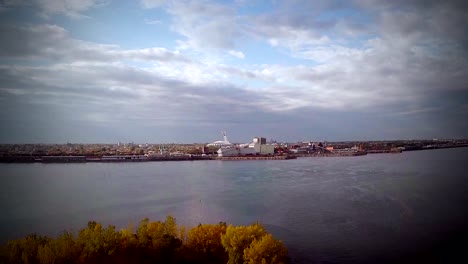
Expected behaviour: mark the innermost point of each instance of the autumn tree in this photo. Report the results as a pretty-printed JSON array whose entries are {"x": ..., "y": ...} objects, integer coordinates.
[
  {"x": 25, "y": 250},
  {"x": 205, "y": 241},
  {"x": 159, "y": 239},
  {"x": 153, "y": 242},
  {"x": 97, "y": 243},
  {"x": 236, "y": 239},
  {"x": 63, "y": 249},
  {"x": 266, "y": 250}
]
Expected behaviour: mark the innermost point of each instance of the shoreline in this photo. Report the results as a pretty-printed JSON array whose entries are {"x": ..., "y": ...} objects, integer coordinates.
[{"x": 139, "y": 158}]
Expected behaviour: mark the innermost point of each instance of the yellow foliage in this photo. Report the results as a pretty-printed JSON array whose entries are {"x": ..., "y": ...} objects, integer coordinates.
[
  {"x": 239, "y": 238},
  {"x": 96, "y": 241},
  {"x": 266, "y": 250},
  {"x": 46, "y": 255},
  {"x": 155, "y": 242},
  {"x": 206, "y": 238},
  {"x": 153, "y": 233},
  {"x": 60, "y": 250},
  {"x": 170, "y": 226},
  {"x": 127, "y": 238},
  {"x": 25, "y": 250},
  {"x": 183, "y": 234}
]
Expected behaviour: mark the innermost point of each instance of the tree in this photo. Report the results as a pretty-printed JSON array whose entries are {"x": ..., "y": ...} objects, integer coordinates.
[
  {"x": 239, "y": 238},
  {"x": 46, "y": 255},
  {"x": 204, "y": 241},
  {"x": 267, "y": 250},
  {"x": 158, "y": 240},
  {"x": 128, "y": 239},
  {"x": 61, "y": 250},
  {"x": 25, "y": 250},
  {"x": 97, "y": 242},
  {"x": 153, "y": 242}
]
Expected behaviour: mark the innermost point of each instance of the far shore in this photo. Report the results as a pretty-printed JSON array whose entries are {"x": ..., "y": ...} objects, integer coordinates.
[{"x": 190, "y": 157}]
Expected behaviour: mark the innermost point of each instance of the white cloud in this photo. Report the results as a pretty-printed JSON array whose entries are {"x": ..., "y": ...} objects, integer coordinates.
[
  {"x": 237, "y": 54},
  {"x": 152, "y": 3},
  {"x": 152, "y": 22},
  {"x": 380, "y": 73},
  {"x": 417, "y": 111},
  {"x": 327, "y": 53},
  {"x": 206, "y": 25}
]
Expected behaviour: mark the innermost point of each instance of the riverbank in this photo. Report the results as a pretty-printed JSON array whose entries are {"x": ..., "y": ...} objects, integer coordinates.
[{"x": 143, "y": 158}]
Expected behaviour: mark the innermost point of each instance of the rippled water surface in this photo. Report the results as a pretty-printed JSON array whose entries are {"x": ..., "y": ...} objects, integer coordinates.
[{"x": 333, "y": 210}]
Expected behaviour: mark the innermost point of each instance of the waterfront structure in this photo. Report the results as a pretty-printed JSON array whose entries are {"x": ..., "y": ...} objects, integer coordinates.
[
  {"x": 161, "y": 153},
  {"x": 124, "y": 158},
  {"x": 63, "y": 159},
  {"x": 221, "y": 143},
  {"x": 258, "y": 146}
]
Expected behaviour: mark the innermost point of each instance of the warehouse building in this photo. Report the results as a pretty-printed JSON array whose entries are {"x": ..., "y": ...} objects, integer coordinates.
[{"x": 258, "y": 146}]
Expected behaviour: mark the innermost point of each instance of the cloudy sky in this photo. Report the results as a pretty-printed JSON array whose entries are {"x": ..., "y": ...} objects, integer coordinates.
[{"x": 91, "y": 71}]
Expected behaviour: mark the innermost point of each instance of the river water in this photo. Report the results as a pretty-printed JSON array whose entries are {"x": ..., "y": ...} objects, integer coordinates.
[{"x": 326, "y": 210}]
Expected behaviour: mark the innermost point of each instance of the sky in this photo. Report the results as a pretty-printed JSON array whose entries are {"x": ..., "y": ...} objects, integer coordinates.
[{"x": 156, "y": 71}]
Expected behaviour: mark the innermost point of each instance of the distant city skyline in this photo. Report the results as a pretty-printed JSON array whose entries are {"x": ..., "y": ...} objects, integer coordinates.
[{"x": 157, "y": 71}]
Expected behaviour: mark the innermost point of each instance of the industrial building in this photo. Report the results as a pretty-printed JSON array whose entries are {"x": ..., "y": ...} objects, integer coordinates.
[{"x": 258, "y": 146}]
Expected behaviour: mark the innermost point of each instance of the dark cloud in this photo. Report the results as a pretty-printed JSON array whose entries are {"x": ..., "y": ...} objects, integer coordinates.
[
  {"x": 439, "y": 21},
  {"x": 121, "y": 93},
  {"x": 53, "y": 42}
]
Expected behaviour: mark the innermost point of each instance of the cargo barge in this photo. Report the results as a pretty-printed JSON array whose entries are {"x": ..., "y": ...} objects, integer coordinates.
[
  {"x": 117, "y": 159},
  {"x": 333, "y": 154},
  {"x": 83, "y": 159},
  {"x": 285, "y": 157}
]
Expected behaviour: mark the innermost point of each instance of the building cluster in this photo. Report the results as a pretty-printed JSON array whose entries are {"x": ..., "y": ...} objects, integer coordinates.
[
  {"x": 71, "y": 149},
  {"x": 223, "y": 148},
  {"x": 258, "y": 146}
]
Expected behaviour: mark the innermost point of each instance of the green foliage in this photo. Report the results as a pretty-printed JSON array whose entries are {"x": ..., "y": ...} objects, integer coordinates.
[{"x": 153, "y": 242}]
